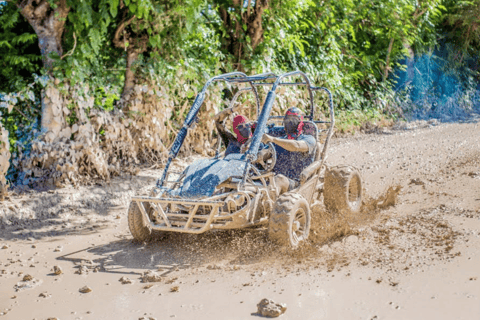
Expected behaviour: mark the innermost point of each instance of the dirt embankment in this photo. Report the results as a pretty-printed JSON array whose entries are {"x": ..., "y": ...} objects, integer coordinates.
[{"x": 416, "y": 260}]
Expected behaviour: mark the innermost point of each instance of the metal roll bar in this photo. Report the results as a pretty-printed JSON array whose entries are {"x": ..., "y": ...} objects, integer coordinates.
[{"x": 263, "y": 114}]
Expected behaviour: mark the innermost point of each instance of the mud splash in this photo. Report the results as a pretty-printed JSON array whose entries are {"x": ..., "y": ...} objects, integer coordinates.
[{"x": 328, "y": 228}]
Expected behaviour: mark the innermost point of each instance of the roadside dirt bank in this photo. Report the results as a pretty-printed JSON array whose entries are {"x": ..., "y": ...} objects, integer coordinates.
[{"x": 417, "y": 260}]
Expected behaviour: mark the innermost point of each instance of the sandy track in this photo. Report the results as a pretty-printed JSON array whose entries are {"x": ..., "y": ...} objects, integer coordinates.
[{"x": 418, "y": 260}]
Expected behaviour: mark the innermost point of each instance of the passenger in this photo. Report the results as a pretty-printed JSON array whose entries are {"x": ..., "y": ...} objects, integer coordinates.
[
  {"x": 295, "y": 151},
  {"x": 242, "y": 128}
]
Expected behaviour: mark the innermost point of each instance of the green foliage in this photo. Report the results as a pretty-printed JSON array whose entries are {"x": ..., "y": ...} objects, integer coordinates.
[
  {"x": 105, "y": 98},
  {"x": 20, "y": 112},
  {"x": 19, "y": 53},
  {"x": 341, "y": 44},
  {"x": 463, "y": 26}
]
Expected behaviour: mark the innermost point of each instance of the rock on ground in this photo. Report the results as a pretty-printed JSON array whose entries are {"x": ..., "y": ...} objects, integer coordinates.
[{"x": 271, "y": 309}]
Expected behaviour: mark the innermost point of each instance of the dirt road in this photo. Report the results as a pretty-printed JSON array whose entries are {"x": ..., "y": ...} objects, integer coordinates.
[{"x": 417, "y": 260}]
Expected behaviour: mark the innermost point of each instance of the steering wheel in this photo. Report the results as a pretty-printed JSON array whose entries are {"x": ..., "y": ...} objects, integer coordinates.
[{"x": 270, "y": 155}]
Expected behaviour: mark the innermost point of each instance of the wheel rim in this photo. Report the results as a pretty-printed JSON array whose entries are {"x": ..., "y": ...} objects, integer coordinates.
[
  {"x": 354, "y": 190},
  {"x": 299, "y": 226}
]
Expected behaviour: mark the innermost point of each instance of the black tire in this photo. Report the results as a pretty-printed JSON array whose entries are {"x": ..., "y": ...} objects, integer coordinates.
[
  {"x": 138, "y": 224},
  {"x": 290, "y": 212},
  {"x": 343, "y": 190}
]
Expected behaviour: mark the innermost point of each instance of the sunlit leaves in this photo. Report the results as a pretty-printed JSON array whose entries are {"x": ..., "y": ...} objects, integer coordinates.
[{"x": 19, "y": 52}]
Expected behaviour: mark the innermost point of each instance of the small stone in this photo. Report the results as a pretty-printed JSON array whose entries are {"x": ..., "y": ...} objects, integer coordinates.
[
  {"x": 174, "y": 289},
  {"x": 34, "y": 246},
  {"x": 4, "y": 246},
  {"x": 27, "y": 277},
  {"x": 213, "y": 267},
  {"x": 125, "y": 280},
  {"x": 58, "y": 249},
  {"x": 85, "y": 289},
  {"x": 417, "y": 182},
  {"x": 270, "y": 309},
  {"x": 151, "y": 276},
  {"x": 82, "y": 270},
  {"x": 44, "y": 295},
  {"x": 57, "y": 270}
]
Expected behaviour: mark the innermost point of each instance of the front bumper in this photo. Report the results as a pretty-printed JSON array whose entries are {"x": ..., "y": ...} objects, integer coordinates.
[{"x": 196, "y": 216}]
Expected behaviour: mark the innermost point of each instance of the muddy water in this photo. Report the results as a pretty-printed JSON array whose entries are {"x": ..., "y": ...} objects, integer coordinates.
[{"x": 416, "y": 260}]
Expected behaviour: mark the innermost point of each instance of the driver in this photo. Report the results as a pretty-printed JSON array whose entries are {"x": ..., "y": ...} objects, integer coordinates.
[
  {"x": 295, "y": 151},
  {"x": 242, "y": 128}
]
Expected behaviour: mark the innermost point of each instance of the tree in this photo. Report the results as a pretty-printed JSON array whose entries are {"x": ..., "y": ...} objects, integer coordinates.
[{"x": 151, "y": 26}]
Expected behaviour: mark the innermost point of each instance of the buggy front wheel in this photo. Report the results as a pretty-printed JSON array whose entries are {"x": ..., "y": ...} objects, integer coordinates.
[
  {"x": 138, "y": 224},
  {"x": 289, "y": 223}
]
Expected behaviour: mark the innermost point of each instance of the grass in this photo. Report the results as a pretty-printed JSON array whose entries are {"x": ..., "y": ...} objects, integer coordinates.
[{"x": 352, "y": 121}]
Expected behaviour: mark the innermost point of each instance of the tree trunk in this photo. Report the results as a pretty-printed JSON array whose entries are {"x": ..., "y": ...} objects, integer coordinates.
[
  {"x": 410, "y": 60},
  {"x": 387, "y": 63},
  {"x": 48, "y": 24},
  {"x": 254, "y": 23},
  {"x": 251, "y": 18},
  {"x": 132, "y": 56},
  {"x": 137, "y": 44}
]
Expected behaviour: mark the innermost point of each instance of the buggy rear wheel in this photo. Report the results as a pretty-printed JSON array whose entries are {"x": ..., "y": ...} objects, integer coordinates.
[
  {"x": 137, "y": 223},
  {"x": 343, "y": 190},
  {"x": 289, "y": 223}
]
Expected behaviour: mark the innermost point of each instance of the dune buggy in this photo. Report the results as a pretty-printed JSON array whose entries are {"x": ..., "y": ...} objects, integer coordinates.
[{"x": 236, "y": 191}]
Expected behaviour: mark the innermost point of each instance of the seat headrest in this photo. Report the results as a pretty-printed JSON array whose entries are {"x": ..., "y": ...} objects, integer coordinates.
[{"x": 310, "y": 128}]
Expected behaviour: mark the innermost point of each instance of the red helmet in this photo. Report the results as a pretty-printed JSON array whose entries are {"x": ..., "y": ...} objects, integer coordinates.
[{"x": 293, "y": 122}]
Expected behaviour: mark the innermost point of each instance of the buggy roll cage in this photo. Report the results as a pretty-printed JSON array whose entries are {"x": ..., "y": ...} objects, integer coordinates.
[{"x": 263, "y": 114}]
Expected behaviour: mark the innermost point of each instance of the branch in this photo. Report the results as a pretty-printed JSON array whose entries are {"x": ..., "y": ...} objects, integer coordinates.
[
  {"x": 419, "y": 14},
  {"x": 353, "y": 57},
  {"x": 69, "y": 53},
  {"x": 248, "y": 7},
  {"x": 26, "y": 9},
  {"x": 121, "y": 27},
  {"x": 23, "y": 114},
  {"x": 203, "y": 14}
]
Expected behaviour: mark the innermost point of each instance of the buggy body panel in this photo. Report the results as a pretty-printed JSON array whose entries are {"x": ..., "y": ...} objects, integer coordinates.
[{"x": 203, "y": 176}]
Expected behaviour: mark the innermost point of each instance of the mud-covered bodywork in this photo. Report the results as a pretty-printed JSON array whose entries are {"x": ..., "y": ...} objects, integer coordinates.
[
  {"x": 230, "y": 193},
  {"x": 203, "y": 176}
]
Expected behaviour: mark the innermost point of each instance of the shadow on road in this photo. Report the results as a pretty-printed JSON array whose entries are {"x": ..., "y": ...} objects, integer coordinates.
[{"x": 183, "y": 251}]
